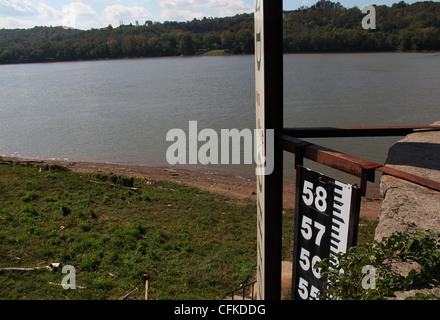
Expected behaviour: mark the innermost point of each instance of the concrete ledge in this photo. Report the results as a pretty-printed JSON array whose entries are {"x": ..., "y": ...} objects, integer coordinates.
[{"x": 408, "y": 207}]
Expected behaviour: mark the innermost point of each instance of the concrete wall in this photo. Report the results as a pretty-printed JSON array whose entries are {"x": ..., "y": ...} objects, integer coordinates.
[{"x": 408, "y": 207}]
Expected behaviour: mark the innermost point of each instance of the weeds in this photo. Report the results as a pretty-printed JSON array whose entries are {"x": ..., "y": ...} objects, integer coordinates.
[
  {"x": 193, "y": 244},
  {"x": 418, "y": 248},
  {"x": 113, "y": 230}
]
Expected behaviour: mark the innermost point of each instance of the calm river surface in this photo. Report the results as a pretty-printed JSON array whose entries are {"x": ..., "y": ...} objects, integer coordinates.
[{"x": 120, "y": 111}]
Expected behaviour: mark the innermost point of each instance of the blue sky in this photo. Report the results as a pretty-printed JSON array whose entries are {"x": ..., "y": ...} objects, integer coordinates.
[{"x": 100, "y": 13}]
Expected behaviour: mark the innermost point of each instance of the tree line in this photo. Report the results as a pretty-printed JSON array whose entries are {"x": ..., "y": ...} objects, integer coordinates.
[
  {"x": 152, "y": 39},
  {"x": 324, "y": 27},
  {"x": 329, "y": 27}
]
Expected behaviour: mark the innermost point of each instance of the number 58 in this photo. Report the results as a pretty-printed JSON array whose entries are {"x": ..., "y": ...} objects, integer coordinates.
[{"x": 309, "y": 198}]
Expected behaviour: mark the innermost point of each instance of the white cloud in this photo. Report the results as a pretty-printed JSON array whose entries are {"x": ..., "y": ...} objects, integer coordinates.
[
  {"x": 45, "y": 12},
  {"x": 17, "y": 7},
  {"x": 100, "y": 13},
  {"x": 11, "y": 22},
  {"x": 213, "y": 4},
  {"x": 231, "y": 7},
  {"x": 80, "y": 8},
  {"x": 24, "y": 14},
  {"x": 184, "y": 3},
  {"x": 189, "y": 9},
  {"x": 180, "y": 15},
  {"x": 76, "y": 15},
  {"x": 114, "y": 13}
]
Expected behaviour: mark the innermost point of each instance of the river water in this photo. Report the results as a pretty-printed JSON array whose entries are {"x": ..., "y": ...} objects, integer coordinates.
[{"x": 120, "y": 111}]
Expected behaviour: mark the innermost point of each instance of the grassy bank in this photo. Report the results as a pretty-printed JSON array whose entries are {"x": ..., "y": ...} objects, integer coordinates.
[
  {"x": 216, "y": 53},
  {"x": 193, "y": 244}
]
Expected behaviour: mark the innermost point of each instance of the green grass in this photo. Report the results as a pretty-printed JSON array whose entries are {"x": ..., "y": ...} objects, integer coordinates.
[
  {"x": 193, "y": 244},
  {"x": 216, "y": 53}
]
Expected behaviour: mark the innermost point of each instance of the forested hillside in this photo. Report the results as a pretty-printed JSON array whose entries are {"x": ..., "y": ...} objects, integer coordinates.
[
  {"x": 324, "y": 27},
  {"x": 328, "y": 26}
]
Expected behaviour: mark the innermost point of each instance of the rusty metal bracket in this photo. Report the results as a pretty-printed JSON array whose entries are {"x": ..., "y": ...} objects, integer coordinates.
[
  {"x": 338, "y": 160},
  {"x": 364, "y": 169},
  {"x": 339, "y": 132},
  {"x": 430, "y": 184},
  {"x": 367, "y": 172}
]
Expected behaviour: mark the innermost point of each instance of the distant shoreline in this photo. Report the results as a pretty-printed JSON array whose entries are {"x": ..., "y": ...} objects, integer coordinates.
[
  {"x": 207, "y": 54},
  {"x": 225, "y": 54},
  {"x": 324, "y": 27}
]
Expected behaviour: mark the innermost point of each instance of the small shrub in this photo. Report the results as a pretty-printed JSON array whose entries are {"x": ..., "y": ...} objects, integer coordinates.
[
  {"x": 136, "y": 229},
  {"x": 101, "y": 177},
  {"x": 104, "y": 283},
  {"x": 106, "y": 199},
  {"x": 45, "y": 251},
  {"x": 87, "y": 201},
  {"x": 420, "y": 247},
  {"x": 114, "y": 179},
  {"x": 91, "y": 262},
  {"x": 92, "y": 214},
  {"x": 144, "y": 197},
  {"x": 7, "y": 216},
  {"x": 126, "y": 182},
  {"x": 50, "y": 199},
  {"x": 29, "y": 211},
  {"x": 30, "y": 196},
  {"x": 160, "y": 238},
  {"x": 65, "y": 210},
  {"x": 84, "y": 226},
  {"x": 57, "y": 168}
]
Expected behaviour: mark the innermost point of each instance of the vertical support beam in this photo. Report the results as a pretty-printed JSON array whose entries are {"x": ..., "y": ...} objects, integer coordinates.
[{"x": 269, "y": 116}]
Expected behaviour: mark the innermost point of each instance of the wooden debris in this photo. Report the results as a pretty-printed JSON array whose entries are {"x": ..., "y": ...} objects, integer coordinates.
[
  {"x": 19, "y": 269},
  {"x": 126, "y": 295}
]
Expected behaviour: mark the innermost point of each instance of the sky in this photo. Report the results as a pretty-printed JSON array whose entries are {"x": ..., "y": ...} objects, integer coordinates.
[{"x": 89, "y": 14}]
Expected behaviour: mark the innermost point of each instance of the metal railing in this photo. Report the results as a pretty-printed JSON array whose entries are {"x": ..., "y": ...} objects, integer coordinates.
[
  {"x": 361, "y": 168},
  {"x": 249, "y": 287}
]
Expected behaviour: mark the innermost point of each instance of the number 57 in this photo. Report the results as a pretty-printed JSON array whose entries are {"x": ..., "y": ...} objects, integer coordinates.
[{"x": 307, "y": 232}]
